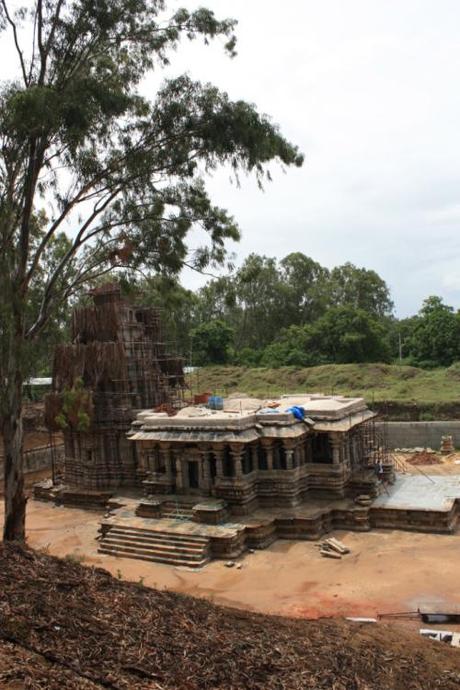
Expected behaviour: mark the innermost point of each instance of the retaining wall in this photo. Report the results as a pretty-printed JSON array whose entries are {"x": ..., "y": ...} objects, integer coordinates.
[
  {"x": 421, "y": 434},
  {"x": 38, "y": 459}
]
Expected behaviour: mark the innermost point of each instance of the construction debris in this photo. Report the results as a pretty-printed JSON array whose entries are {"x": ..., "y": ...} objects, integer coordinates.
[
  {"x": 333, "y": 548},
  {"x": 424, "y": 458},
  {"x": 328, "y": 553},
  {"x": 446, "y": 636},
  {"x": 417, "y": 449},
  {"x": 447, "y": 445}
]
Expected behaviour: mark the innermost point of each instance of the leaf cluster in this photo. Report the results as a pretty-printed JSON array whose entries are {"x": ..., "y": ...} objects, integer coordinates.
[
  {"x": 98, "y": 177},
  {"x": 76, "y": 411}
]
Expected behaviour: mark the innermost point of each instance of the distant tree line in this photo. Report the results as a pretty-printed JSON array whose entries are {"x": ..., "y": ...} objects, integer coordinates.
[
  {"x": 291, "y": 312},
  {"x": 296, "y": 312}
]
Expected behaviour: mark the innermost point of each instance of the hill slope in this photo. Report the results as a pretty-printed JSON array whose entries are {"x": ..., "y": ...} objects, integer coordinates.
[
  {"x": 65, "y": 626},
  {"x": 405, "y": 392}
]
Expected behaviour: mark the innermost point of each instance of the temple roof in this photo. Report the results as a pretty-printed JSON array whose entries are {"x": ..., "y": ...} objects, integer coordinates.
[{"x": 244, "y": 419}]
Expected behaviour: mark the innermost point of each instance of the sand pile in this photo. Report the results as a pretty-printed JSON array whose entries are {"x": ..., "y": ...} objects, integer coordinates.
[{"x": 423, "y": 458}]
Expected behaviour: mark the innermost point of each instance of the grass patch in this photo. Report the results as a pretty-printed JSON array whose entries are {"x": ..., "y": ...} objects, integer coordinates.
[{"x": 434, "y": 393}]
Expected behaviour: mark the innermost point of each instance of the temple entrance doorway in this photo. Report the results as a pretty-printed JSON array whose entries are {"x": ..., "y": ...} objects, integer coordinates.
[{"x": 193, "y": 479}]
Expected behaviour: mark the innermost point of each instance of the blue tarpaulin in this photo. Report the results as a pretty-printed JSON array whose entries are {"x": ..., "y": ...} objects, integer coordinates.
[{"x": 297, "y": 411}]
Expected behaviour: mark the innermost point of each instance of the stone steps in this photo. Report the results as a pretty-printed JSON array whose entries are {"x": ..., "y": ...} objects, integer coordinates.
[
  {"x": 153, "y": 558},
  {"x": 107, "y": 527},
  {"x": 161, "y": 542},
  {"x": 159, "y": 547},
  {"x": 155, "y": 555},
  {"x": 177, "y": 514}
]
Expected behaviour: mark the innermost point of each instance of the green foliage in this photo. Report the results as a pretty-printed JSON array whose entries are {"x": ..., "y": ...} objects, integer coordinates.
[
  {"x": 61, "y": 421},
  {"x": 212, "y": 343},
  {"x": 178, "y": 307},
  {"x": 360, "y": 288},
  {"x": 122, "y": 173},
  {"x": 435, "y": 337},
  {"x": 376, "y": 382},
  {"x": 426, "y": 417},
  {"x": 306, "y": 288},
  {"x": 76, "y": 408},
  {"x": 125, "y": 172},
  {"x": 295, "y": 346},
  {"x": 265, "y": 296},
  {"x": 349, "y": 334},
  {"x": 342, "y": 334},
  {"x": 248, "y": 357}
]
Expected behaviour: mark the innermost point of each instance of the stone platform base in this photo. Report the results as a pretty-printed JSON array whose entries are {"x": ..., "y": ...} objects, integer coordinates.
[
  {"x": 408, "y": 505},
  {"x": 417, "y": 503},
  {"x": 61, "y": 494},
  {"x": 204, "y": 510}
]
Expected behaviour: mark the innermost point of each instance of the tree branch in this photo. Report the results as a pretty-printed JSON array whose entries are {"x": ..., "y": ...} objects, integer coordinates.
[
  {"x": 79, "y": 240},
  {"x": 16, "y": 41}
]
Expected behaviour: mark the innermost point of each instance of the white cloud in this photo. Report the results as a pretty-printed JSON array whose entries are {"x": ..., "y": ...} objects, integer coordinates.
[{"x": 369, "y": 91}]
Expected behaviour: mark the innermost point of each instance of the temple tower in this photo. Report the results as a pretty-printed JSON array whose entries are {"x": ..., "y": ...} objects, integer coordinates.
[{"x": 116, "y": 364}]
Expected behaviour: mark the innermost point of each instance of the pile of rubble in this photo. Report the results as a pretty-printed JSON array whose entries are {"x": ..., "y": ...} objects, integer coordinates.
[
  {"x": 417, "y": 449},
  {"x": 424, "y": 458},
  {"x": 333, "y": 548}
]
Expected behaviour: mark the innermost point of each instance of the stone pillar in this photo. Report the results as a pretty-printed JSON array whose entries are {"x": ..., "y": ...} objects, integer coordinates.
[
  {"x": 179, "y": 473},
  {"x": 218, "y": 450},
  {"x": 237, "y": 451},
  {"x": 205, "y": 476},
  {"x": 302, "y": 452},
  {"x": 267, "y": 443},
  {"x": 289, "y": 452},
  {"x": 255, "y": 457},
  {"x": 296, "y": 456},
  {"x": 143, "y": 465},
  {"x": 165, "y": 453},
  {"x": 336, "y": 443},
  {"x": 154, "y": 460}
]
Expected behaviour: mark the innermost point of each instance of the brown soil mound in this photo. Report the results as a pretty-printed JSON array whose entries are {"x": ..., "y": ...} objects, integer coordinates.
[
  {"x": 66, "y": 626},
  {"x": 424, "y": 459}
]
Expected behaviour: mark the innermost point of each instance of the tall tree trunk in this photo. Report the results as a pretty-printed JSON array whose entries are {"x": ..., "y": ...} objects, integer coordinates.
[{"x": 13, "y": 440}]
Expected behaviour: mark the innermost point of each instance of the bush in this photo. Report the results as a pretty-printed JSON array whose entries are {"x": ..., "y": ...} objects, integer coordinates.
[{"x": 212, "y": 343}]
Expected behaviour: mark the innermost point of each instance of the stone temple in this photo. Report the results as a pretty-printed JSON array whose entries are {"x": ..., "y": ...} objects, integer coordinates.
[
  {"x": 256, "y": 453},
  {"x": 180, "y": 483}
]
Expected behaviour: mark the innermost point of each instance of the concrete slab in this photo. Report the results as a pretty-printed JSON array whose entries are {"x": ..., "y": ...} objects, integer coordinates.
[
  {"x": 242, "y": 413},
  {"x": 417, "y": 492}
]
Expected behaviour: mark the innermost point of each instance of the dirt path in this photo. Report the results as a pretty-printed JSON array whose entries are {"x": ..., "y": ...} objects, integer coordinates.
[{"x": 386, "y": 571}]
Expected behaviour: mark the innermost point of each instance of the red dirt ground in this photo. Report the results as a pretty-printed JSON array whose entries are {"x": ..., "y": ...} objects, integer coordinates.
[{"x": 386, "y": 571}]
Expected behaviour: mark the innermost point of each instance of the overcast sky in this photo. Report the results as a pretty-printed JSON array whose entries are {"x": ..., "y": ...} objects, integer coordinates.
[{"x": 370, "y": 91}]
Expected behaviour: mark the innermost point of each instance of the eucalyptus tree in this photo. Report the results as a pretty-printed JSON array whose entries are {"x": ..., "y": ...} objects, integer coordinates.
[
  {"x": 120, "y": 173},
  {"x": 360, "y": 288}
]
